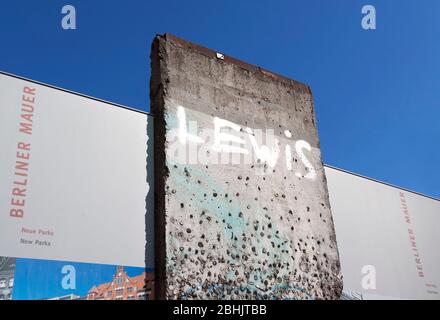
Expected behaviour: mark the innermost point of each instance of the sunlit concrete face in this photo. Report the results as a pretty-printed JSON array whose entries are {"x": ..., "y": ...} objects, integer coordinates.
[{"x": 242, "y": 207}]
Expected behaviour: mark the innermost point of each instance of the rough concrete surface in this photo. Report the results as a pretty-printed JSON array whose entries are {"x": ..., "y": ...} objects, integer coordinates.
[{"x": 244, "y": 213}]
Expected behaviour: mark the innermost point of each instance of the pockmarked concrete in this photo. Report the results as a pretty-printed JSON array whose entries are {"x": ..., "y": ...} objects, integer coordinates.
[{"x": 241, "y": 201}]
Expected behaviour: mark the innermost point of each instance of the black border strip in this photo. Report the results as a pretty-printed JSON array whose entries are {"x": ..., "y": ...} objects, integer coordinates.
[
  {"x": 148, "y": 114},
  {"x": 73, "y": 92}
]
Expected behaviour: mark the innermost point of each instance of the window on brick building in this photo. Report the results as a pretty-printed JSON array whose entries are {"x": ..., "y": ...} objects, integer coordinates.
[{"x": 119, "y": 292}]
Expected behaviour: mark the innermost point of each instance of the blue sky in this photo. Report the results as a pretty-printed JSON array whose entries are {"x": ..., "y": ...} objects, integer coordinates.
[{"x": 377, "y": 93}]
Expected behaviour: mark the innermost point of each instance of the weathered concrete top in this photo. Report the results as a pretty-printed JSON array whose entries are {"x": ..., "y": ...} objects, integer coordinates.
[
  {"x": 242, "y": 208},
  {"x": 214, "y": 54}
]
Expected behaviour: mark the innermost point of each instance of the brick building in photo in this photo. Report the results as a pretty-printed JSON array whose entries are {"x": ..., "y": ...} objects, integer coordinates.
[{"x": 123, "y": 287}]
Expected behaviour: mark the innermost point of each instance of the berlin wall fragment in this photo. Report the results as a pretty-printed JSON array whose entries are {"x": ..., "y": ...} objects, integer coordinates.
[{"x": 241, "y": 202}]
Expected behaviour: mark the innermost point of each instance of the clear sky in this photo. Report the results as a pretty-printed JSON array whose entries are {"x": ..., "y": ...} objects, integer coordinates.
[{"x": 377, "y": 92}]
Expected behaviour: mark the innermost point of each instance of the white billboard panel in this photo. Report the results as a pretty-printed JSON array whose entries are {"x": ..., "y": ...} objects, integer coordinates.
[
  {"x": 387, "y": 238},
  {"x": 73, "y": 177}
]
